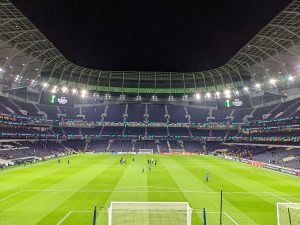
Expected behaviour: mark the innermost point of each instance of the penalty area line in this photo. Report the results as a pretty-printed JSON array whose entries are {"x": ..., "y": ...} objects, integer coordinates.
[
  {"x": 10, "y": 196},
  {"x": 229, "y": 217},
  {"x": 276, "y": 196},
  {"x": 69, "y": 213},
  {"x": 225, "y": 213}
]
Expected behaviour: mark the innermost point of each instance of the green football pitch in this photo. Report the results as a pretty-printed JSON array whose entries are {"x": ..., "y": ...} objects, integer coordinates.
[{"x": 48, "y": 193}]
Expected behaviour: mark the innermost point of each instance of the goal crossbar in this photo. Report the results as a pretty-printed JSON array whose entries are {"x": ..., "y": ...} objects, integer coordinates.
[{"x": 145, "y": 151}]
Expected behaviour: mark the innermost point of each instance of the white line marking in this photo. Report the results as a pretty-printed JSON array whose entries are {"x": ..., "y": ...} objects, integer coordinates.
[
  {"x": 2, "y": 199},
  {"x": 146, "y": 191},
  {"x": 231, "y": 218},
  {"x": 65, "y": 217},
  {"x": 279, "y": 197},
  {"x": 69, "y": 213},
  {"x": 225, "y": 213},
  {"x": 141, "y": 191}
]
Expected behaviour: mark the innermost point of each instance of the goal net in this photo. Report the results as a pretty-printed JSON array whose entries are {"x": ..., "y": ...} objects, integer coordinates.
[
  {"x": 145, "y": 151},
  {"x": 288, "y": 213},
  {"x": 149, "y": 213}
]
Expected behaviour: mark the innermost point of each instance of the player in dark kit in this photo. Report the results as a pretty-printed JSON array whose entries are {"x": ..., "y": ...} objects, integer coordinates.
[{"x": 206, "y": 177}]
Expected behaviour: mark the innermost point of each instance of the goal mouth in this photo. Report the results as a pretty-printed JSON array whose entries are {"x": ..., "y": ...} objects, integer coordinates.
[
  {"x": 139, "y": 213},
  {"x": 288, "y": 213},
  {"x": 145, "y": 151}
]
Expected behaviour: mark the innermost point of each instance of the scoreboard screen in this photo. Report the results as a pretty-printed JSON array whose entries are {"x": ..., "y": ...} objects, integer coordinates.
[
  {"x": 57, "y": 99},
  {"x": 234, "y": 103}
]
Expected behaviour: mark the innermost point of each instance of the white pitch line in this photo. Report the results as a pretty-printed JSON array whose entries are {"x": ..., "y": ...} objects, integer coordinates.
[
  {"x": 144, "y": 191},
  {"x": 279, "y": 197},
  {"x": 69, "y": 213},
  {"x": 225, "y": 213},
  {"x": 65, "y": 217},
  {"x": 231, "y": 218},
  {"x": 2, "y": 199}
]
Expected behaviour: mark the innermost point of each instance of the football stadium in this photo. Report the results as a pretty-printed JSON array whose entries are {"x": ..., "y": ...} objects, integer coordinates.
[{"x": 149, "y": 139}]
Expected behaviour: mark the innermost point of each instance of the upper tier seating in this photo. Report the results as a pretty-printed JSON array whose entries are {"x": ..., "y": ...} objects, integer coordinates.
[
  {"x": 220, "y": 115},
  {"x": 136, "y": 113},
  {"x": 179, "y": 131},
  {"x": 135, "y": 131},
  {"x": 198, "y": 115},
  {"x": 115, "y": 113},
  {"x": 156, "y": 113},
  {"x": 51, "y": 111},
  {"x": 239, "y": 114},
  {"x": 177, "y": 114},
  {"x": 93, "y": 113}
]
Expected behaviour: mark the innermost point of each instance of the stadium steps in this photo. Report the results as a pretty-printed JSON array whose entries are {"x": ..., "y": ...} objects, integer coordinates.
[
  {"x": 190, "y": 131},
  {"x": 169, "y": 147},
  {"x": 41, "y": 111},
  {"x": 108, "y": 146},
  {"x": 291, "y": 109},
  {"x": 101, "y": 131},
  {"x": 58, "y": 109},
  {"x": 168, "y": 132},
  {"x": 15, "y": 104},
  {"x": 232, "y": 112},
  {"x": 271, "y": 112},
  {"x": 37, "y": 109},
  {"x": 104, "y": 114},
  {"x": 86, "y": 146},
  {"x": 9, "y": 110}
]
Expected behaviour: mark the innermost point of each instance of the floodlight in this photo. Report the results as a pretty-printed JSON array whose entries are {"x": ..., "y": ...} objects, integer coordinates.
[
  {"x": 122, "y": 97},
  {"x": 208, "y": 95},
  {"x": 290, "y": 78},
  {"x": 272, "y": 81},
  {"x": 54, "y": 89},
  {"x": 227, "y": 94},
  {"x": 138, "y": 98},
  {"x": 83, "y": 93},
  {"x": 184, "y": 97},
  {"x": 257, "y": 86},
  {"x": 64, "y": 89},
  {"x": 198, "y": 96},
  {"x": 154, "y": 98}
]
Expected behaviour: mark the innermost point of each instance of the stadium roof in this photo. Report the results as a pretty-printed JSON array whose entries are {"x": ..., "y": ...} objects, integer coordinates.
[{"x": 27, "y": 54}]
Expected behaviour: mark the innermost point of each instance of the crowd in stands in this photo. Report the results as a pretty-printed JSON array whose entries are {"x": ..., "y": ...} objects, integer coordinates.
[
  {"x": 256, "y": 124},
  {"x": 134, "y": 112}
]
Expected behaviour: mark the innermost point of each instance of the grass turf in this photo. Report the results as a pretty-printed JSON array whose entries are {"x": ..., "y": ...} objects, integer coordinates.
[{"x": 49, "y": 193}]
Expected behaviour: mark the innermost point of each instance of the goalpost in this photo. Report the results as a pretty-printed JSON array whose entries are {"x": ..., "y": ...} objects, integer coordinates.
[
  {"x": 288, "y": 213},
  {"x": 145, "y": 151},
  {"x": 149, "y": 213}
]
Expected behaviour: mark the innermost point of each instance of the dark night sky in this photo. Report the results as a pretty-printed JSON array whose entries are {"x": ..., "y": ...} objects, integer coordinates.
[{"x": 156, "y": 35}]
